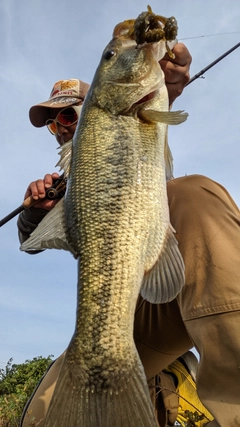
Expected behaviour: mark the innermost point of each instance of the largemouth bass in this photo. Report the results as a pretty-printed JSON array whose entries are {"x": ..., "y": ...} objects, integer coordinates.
[{"x": 114, "y": 218}]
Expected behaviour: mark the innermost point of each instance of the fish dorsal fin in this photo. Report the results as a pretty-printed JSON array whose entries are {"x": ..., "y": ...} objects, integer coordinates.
[
  {"x": 50, "y": 233},
  {"x": 65, "y": 152},
  {"x": 167, "y": 117},
  {"x": 166, "y": 278}
]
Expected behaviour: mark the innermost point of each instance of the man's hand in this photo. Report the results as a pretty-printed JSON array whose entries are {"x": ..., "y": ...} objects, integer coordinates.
[
  {"x": 37, "y": 189},
  {"x": 176, "y": 71}
]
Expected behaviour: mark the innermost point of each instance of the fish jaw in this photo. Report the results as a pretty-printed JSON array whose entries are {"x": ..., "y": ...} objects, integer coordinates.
[{"x": 126, "y": 74}]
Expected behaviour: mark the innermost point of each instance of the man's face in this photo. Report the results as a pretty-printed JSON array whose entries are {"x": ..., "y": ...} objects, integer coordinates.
[{"x": 63, "y": 132}]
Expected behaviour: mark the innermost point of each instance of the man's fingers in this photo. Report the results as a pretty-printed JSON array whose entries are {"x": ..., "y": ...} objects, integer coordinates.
[
  {"x": 49, "y": 178},
  {"x": 37, "y": 189}
]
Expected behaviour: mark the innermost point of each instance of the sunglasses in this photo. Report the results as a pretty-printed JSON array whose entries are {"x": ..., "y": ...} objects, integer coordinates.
[{"x": 66, "y": 117}]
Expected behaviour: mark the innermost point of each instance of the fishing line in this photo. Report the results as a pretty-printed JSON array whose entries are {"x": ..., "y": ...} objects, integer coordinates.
[{"x": 209, "y": 35}]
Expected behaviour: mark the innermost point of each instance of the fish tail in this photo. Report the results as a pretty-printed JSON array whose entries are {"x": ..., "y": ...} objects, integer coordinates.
[{"x": 76, "y": 405}]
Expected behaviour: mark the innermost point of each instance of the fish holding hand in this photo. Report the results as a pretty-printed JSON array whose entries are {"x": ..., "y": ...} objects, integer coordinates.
[{"x": 114, "y": 219}]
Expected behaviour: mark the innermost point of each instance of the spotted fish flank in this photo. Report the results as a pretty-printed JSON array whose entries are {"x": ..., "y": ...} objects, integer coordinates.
[{"x": 115, "y": 220}]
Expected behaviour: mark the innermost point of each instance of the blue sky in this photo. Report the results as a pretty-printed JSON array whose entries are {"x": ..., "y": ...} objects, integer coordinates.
[{"x": 45, "y": 43}]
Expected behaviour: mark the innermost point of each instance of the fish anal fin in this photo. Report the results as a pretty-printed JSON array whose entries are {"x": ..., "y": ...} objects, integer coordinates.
[
  {"x": 166, "y": 278},
  {"x": 74, "y": 404},
  {"x": 167, "y": 117}
]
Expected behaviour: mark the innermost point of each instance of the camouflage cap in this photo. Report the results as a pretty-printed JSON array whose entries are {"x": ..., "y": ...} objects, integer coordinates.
[{"x": 64, "y": 93}]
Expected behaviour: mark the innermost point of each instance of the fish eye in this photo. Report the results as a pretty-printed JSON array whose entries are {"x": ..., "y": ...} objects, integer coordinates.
[{"x": 109, "y": 54}]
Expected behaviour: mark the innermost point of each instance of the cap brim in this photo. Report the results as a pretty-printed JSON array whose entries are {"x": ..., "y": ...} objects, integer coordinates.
[{"x": 38, "y": 114}]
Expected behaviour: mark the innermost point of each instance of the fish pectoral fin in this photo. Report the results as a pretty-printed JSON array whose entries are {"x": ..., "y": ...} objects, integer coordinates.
[
  {"x": 168, "y": 160},
  {"x": 167, "y": 117},
  {"x": 50, "y": 233},
  {"x": 165, "y": 280}
]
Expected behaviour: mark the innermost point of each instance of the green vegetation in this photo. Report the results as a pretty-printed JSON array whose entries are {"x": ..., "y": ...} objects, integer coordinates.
[{"x": 17, "y": 382}]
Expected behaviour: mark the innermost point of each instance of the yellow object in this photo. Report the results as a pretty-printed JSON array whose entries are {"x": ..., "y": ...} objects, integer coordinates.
[{"x": 190, "y": 407}]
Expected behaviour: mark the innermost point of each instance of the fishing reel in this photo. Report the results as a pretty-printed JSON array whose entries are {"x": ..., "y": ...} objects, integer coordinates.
[{"x": 58, "y": 189}]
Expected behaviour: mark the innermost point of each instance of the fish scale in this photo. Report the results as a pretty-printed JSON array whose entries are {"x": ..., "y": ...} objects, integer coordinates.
[
  {"x": 115, "y": 220},
  {"x": 112, "y": 241}
]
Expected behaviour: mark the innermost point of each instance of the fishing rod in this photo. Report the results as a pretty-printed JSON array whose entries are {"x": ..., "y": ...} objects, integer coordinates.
[
  {"x": 212, "y": 64},
  {"x": 59, "y": 187},
  {"x": 57, "y": 191}
]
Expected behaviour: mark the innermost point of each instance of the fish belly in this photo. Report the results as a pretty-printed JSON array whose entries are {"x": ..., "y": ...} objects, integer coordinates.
[{"x": 114, "y": 213}]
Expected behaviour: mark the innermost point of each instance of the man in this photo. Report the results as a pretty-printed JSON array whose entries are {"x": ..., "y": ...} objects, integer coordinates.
[
  {"x": 71, "y": 93},
  {"x": 207, "y": 311}
]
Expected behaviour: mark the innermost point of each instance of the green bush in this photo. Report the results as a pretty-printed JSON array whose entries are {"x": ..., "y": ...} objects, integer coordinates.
[{"x": 17, "y": 383}]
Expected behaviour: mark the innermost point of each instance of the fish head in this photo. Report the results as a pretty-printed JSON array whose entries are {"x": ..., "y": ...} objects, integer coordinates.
[{"x": 127, "y": 74}]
